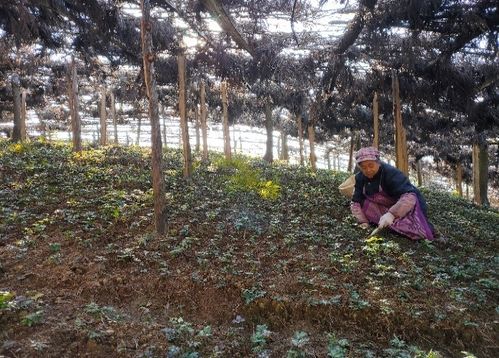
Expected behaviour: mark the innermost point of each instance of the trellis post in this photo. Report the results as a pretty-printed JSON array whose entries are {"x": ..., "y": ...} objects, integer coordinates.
[
  {"x": 183, "y": 116},
  {"x": 376, "y": 120},
  {"x": 204, "y": 127},
  {"x": 400, "y": 134},
  {"x": 226, "y": 132},
  {"x": 103, "y": 116}
]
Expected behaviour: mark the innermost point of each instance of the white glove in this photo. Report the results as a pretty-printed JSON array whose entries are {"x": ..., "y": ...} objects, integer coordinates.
[
  {"x": 364, "y": 226},
  {"x": 386, "y": 220}
]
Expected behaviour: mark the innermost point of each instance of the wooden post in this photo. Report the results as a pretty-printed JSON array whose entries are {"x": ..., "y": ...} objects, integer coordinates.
[
  {"x": 269, "y": 151},
  {"x": 376, "y": 120},
  {"x": 113, "y": 115},
  {"x": 103, "y": 116},
  {"x": 164, "y": 127},
  {"x": 234, "y": 140},
  {"x": 480, "y": 173},
  {"x": 311, "y": 140},
  {"x": 284, "y": 146},
  {"x": 279, "y": 147},
  {"x": 350, "y": 158},
  {"x": 400, "y": 135},
  {"x": 16, "y": 91},
  {"x": 459, "y": 179},
  {"x": 183, "y": 116},
  {"x": 300, "y": 136},
  {"x": 328, "y": 158},
  {"x": 139, "y": 117},
  {"x": 74, "y": 107},
  {"x": 204, "y": 126},
  {"x": 226, "y": 133},
  {"x": 197, "y": 126},
  {"x": 418, "y": 172},
  {"x": 240, "y": 142},
  {"x": 23, "y": 115},
  {"x": 152, "y": 94}
]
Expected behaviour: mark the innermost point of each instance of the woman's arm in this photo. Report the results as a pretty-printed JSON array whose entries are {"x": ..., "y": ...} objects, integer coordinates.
[
  {"x": 404, "y": 205},
  {"x": 356, "y": 210}
]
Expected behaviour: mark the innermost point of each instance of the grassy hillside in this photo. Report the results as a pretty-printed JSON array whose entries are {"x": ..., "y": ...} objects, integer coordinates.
[{"x": 258, "y": 261}]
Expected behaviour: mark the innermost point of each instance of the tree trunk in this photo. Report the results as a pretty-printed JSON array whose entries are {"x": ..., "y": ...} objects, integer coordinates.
[
  {"x": 204, "y": 125},
  {"x": 300, "y": 137},
  {"x": 376, "y": 120},
  {"x": 459, "y": 179},
  {"x": 480, "y": 173},
  {"x": 74, "y": 106},
  {"x": 311, "y": 141},
  {"x": 269, "y": 151},
  {"x": 156, "y": 146},
  {"x": 183, "y": 117},
  {"x": 225, "y": 105},
  {"x": 402, "y": 162},
  {"x": 16, "y": 90},
  {"x": 103, "y": 117},
  {"x": 113, "y": 115}
]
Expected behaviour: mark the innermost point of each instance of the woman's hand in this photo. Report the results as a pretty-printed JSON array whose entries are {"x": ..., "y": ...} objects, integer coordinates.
[
  {"x": 386, "y": 220},
  {"x": 364, "y": 226}
]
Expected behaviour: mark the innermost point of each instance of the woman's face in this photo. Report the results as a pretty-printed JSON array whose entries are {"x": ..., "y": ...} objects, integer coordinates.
[{"x": 369, "y": 168}]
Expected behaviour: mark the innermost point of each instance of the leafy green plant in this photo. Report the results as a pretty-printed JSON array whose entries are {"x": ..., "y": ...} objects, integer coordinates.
[
  {"x": 32, "y": 319},
  {"x": 186, "y": 340},
  {"x": 259, "y": 338},
  {"x": 400, "y": 349},
  {"x": 251, "y": 294},
  {"x": 104, "y": 312},
  {"x": 55, "y": 247},
  {"x": 337, "y": 348},
  {"x": 247, "y": 178},
  {"x": 299, "y": 340},
  {"x": 5, "y": 299},
  {"x": 269, "y": 190},
  {"x": 373, "y": 246}
]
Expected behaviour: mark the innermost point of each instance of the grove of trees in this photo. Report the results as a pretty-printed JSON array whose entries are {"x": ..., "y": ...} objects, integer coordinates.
[{"x": 333, "y": 66}]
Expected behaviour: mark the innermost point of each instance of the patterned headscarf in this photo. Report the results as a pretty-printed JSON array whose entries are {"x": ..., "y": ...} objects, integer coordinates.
[{"x": 368, "y": 153}]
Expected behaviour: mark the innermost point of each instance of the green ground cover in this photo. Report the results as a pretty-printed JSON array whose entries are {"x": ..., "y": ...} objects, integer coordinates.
[{"x": 258, "y": 260}]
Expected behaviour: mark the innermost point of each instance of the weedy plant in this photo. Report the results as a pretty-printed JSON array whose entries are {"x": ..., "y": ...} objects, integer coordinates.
[
  {"x": 299, "y": 340},
  {"x": 32, "y": 319},
  {"x": 5, "y": 299},
  {"x": 246, "y": 178},
  {"x": 253, "y": 293},
  {"x": 400, "y": 349},
  {"x": 259, "y": 338},
  {"x": 337, "y": 348},
  {"x": 184, "y": 340}
]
